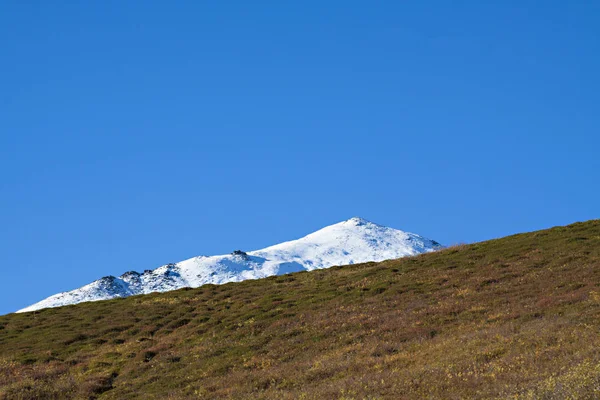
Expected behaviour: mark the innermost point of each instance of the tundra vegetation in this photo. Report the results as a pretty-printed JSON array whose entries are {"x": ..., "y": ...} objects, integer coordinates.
[{"x": 512, "y": 318}]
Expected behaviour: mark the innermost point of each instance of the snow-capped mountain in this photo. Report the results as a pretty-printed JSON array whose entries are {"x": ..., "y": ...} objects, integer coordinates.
[{"x": 353, "y": 241}]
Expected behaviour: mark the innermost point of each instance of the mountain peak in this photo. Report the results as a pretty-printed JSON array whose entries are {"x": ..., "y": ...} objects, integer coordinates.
[
  {"x": 355, "y": 240},
  {"x": 353, "y": 222},
  {"x": 358, "y": 221}
]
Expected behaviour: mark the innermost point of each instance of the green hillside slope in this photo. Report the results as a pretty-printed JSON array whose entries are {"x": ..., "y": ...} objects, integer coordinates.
[{"x": 517, "y": 317}]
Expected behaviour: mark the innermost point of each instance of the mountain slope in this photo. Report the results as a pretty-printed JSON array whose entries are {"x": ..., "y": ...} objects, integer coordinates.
[
  {"x": 514, "y": 318},
  {"x": 353, "y": 241}
]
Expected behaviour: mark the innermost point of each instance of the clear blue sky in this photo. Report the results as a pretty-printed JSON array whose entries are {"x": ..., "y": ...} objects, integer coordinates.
[{"x": 133, "y": 134}]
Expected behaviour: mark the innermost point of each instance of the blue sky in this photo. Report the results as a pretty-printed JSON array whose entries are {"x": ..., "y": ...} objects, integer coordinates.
[{"x": 133, "y": 134}]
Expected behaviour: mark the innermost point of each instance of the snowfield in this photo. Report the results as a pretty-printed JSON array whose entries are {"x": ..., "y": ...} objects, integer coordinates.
[{"x": 349, "y": 242}]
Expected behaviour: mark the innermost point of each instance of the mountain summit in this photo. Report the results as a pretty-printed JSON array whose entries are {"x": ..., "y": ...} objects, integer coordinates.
[{"x": 349, "y": 242}]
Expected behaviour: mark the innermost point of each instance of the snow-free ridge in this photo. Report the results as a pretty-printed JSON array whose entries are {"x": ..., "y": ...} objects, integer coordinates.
[{"x": 352, "y": 241}]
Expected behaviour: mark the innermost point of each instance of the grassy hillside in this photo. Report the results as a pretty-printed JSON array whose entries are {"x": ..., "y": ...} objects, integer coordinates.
[{"x": 517, "y": 317}]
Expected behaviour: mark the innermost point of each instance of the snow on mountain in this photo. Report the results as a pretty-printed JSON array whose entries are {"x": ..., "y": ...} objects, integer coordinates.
[{"x": 353, "y": 241}]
